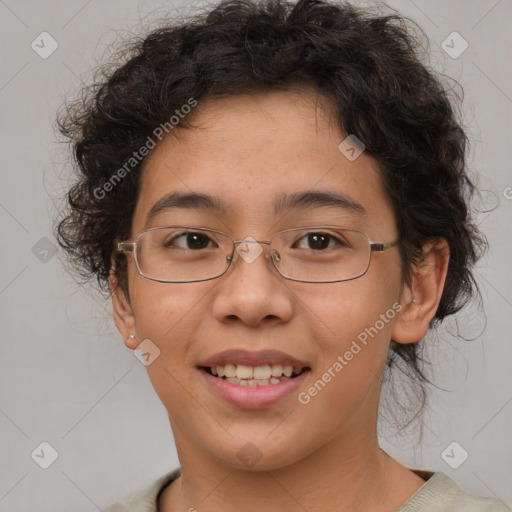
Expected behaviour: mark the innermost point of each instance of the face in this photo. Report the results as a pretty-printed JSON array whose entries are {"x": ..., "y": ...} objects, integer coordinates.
[{"x": 248, "y": 151}]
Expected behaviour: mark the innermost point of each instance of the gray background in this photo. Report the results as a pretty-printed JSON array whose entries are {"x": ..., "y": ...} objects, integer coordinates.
[{"x": 66, "y": 377}]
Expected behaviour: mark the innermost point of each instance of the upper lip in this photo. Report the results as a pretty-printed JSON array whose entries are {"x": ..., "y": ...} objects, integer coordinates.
[{"x": 257, "y": 358}]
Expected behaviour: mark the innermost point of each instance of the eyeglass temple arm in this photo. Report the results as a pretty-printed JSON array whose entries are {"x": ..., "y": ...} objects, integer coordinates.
[
  {"x": 383, "y": 247},
  {"x": 125, "y": 246}
]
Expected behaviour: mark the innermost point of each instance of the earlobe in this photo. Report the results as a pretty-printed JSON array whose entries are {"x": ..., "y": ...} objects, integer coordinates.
[
  {"x": 421, "y": 298},
  {"x": 123, "y": 313}
]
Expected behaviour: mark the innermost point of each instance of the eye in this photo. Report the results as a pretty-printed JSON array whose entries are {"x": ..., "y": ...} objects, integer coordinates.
[
  {"x": 319, "y": 241},
  {"x": 189, "y": 240}
]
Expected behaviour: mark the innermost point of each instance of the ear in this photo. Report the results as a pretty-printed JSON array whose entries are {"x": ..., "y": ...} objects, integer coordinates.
[
  {"x": 123, "y": 314},
  {"x": 421, "y": 298}
]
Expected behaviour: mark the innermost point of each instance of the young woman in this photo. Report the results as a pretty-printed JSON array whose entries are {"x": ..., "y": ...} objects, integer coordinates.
[{"x": 275, "y": 195}]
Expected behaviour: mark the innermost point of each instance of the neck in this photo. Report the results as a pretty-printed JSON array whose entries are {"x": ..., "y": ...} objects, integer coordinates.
[{"x": 351, "y": 471}]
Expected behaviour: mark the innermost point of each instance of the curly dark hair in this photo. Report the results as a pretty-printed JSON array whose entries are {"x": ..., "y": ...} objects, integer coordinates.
[{"x": 368, "y": 65}]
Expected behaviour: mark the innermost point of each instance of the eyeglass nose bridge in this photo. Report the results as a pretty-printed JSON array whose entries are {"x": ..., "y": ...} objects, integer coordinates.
[{"x": 274, "y": 255}]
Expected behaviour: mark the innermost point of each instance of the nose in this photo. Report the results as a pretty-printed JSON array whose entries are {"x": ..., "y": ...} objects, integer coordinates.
[{"x": 252, "y": 291}]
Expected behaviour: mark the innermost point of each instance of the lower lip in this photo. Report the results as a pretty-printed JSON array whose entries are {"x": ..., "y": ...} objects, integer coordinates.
[{"x": 252, "y": 397}]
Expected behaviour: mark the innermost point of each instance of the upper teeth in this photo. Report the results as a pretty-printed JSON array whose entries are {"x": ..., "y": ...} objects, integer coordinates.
[{"x": 242, "y": 371}]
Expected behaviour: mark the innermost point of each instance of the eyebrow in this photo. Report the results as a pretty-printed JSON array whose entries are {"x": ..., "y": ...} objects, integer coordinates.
[
  {"x": 317, "y": 199},
  {"x": 186, "y": 200},
  {"x": 284, "y": 203}
]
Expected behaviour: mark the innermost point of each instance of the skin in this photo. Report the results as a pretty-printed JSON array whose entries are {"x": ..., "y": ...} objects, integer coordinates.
[{"x": 312, "y": 455}]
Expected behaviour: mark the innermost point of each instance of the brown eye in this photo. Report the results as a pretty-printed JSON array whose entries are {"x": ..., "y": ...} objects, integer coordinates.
[
  {"x": 319, "y": 241},
  {"x": 189, "y": 240}
]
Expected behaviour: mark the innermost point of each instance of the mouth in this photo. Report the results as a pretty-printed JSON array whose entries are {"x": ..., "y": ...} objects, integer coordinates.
[
  {"x": 253, "y": 387},
  {"x": 253, "y": 379},
  {"x": 261, "y": 375}
]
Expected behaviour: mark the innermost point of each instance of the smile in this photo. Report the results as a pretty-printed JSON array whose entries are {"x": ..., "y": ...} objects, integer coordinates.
[
  {"x": 253, "y": 393},
  {"x": 246, "y": 375}
]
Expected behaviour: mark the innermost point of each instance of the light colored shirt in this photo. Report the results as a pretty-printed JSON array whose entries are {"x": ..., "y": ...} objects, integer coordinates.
[{"x": 438, "y": 494}]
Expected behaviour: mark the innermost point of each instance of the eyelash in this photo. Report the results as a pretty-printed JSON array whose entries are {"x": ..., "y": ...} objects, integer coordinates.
[{"x": 332, "y": 237}]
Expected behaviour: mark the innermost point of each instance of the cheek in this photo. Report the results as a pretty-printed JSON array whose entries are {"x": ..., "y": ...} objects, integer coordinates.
[
  {"x": 354, "y": 320},
  {"x": 167, "y": 314},
  {"x": 162, "y": 309},
  {"x": 343, "y": 310},
  {"x": 164, "y": 315},
  {"x": 353, "y": 335}
]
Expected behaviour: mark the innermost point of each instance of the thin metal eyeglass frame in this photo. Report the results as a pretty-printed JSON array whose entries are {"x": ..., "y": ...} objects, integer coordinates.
[{"x": 130, "y": 246}]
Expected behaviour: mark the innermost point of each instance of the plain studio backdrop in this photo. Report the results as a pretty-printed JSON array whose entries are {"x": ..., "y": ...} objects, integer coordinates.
[{"x": 66, "y": 378}]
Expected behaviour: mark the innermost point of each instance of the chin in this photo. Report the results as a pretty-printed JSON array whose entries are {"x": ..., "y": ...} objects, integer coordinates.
[{"x": 257, "y": 455}]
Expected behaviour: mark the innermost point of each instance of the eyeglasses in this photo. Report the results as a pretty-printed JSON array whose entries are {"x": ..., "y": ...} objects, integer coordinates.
[{"x": 313, "y": 254}]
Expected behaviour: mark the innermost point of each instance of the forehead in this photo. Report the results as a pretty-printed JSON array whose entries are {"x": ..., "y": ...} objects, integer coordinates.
[{"x": 254, "y": 151}]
